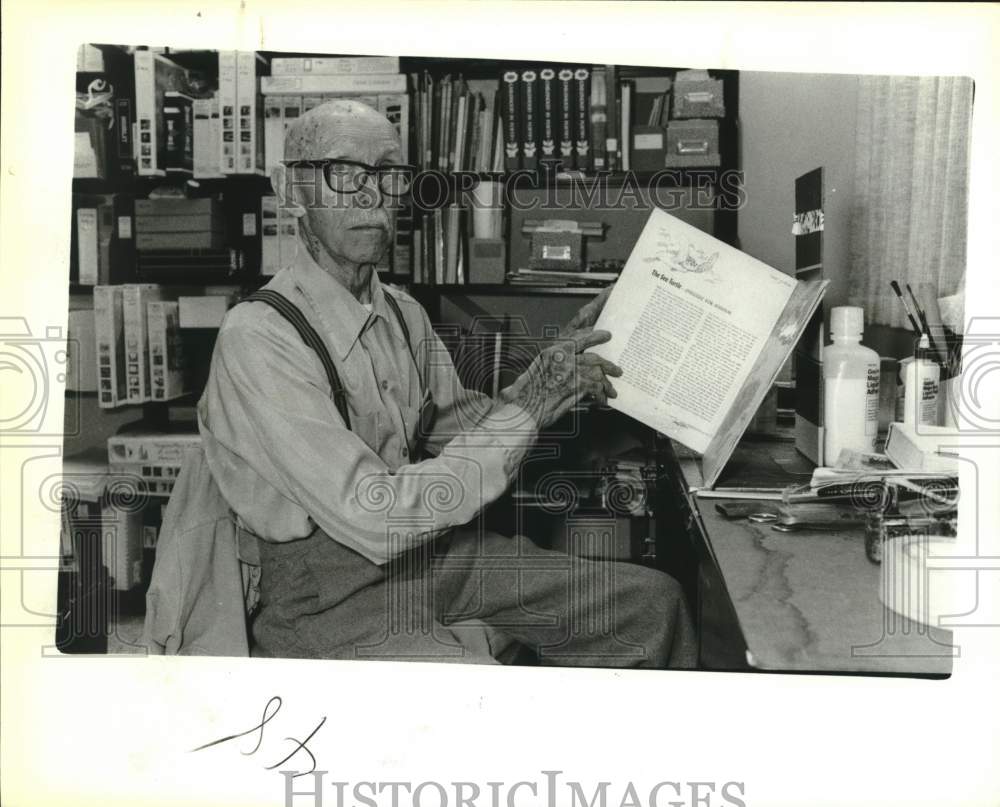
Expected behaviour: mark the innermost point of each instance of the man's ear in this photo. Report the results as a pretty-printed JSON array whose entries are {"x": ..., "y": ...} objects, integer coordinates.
[{"x": 286, "y": 200}]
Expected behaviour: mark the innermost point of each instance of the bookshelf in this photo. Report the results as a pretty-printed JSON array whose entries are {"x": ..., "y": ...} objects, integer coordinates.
[
  {"x": 194, "y": 101},
  {"x": 426, "y": 123}
]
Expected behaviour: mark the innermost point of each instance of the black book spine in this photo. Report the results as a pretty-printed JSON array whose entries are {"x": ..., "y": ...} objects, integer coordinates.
[
  {"x": 565, "y": 117},
  {"x": 510, "y": 98},
  {"x": 530, "y": 130},
  {"x": 121, "y": 75},
  {"x": 581, "y": 131},
  {"x": 548, "y": 92}
]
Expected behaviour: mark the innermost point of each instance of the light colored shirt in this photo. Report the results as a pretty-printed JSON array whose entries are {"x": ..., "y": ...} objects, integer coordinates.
[{"x": 283, "y": 456}]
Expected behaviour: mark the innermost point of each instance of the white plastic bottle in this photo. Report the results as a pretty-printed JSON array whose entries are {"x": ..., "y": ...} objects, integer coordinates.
[
  {"x": 922, "y": 377},
  {"x": 850, "y": 387}
]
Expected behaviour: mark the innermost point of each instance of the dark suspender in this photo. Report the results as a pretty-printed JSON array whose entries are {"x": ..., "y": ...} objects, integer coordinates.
[
  {"x": 402, "y": 324},
  {"x": 307, "y": 332}
]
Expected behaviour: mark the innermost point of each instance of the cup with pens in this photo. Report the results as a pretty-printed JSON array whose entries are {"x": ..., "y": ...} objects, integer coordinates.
[{"x": 945, "y": 347}]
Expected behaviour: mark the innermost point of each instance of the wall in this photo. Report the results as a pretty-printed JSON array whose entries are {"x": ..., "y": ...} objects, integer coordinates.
[{"x": 790, "y": 124}]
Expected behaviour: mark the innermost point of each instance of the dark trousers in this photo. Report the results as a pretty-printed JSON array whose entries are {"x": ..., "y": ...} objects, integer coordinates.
[{"x": 459, "y": 597}]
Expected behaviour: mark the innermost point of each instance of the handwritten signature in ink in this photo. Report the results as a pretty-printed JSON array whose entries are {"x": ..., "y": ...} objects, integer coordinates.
[{"x": 271, "y": 708}]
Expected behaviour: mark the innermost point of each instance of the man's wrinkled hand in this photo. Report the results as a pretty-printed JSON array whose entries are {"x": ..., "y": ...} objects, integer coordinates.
[
  {"x": 563, "y": 374},
  {"x": 587, "y": 316}
]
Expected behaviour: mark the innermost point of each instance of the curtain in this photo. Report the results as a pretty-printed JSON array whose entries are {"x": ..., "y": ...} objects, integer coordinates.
[{"x": 908, "y": 220}]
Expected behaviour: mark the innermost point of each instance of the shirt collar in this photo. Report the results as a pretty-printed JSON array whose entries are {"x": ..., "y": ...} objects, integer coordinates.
[{"x": 343, "y": 317}]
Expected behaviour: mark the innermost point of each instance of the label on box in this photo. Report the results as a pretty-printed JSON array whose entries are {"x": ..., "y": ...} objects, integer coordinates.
[
  {"x": 124, "y": 226},
  {"x": 649, "y": 140},
  {"x": 249, "y": 224},
  {"x": 555, "y": 253}
]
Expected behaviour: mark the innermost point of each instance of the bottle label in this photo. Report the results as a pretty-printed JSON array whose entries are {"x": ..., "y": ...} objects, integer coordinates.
[
  {"x": 928, "y": 406},
  {"x": 871, "y": 400}
]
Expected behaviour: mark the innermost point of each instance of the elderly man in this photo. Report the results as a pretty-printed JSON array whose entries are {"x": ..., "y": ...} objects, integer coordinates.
[{"x": 367, "y": 512}]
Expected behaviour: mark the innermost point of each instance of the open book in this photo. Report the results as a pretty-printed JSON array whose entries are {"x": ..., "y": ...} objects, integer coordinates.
[{"x": 700, "y": 330}]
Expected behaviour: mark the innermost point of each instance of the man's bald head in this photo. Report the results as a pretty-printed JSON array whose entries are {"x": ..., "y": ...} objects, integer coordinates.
[
  {"x": 342, "y": 128},
  {"x": 351, "y": 229}
]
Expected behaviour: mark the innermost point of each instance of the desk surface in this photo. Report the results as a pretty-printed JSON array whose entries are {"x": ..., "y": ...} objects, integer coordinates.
[{"x": 808, "y": 601}]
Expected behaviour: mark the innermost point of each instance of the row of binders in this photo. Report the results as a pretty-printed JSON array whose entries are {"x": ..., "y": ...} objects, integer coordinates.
[
  {"x": 205, "y": 114},
  {"x": 589, "y": 119},
  {"x": 129, "y": 346}
]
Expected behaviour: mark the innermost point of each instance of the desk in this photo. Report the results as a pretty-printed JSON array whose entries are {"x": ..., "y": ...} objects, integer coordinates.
[{"x": 794, "y": 602}]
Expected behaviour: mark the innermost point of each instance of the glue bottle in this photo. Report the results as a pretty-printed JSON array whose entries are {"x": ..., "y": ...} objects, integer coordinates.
[
  {"x": 921, "y": 377},
  {"x": 850, "y": 387}
]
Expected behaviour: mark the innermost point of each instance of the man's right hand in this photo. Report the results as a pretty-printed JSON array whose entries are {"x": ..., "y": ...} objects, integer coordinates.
[{"x": 561, "y": 375}]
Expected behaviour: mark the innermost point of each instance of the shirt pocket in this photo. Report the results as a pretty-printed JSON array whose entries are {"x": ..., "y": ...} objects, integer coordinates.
[{"x": 370, "y": 427}]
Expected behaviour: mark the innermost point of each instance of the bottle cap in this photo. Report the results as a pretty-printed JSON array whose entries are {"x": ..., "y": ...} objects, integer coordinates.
[
  {"x": 847, "y": 320},
  {"x": 923, "y": 350}
]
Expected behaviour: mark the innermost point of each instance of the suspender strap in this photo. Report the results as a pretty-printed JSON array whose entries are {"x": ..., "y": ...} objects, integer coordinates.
[
  {"x": 402, "y": 324},
  {"x": 290, "y": 312}
]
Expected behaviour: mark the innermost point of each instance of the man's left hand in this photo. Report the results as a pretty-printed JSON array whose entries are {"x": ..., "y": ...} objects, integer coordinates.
[{"x": 587, "y": 316}]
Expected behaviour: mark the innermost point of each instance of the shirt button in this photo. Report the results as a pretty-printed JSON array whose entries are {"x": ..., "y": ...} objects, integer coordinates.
[
  {"x": 385, "y": 385},
  {"x": 404, "y": 451}
]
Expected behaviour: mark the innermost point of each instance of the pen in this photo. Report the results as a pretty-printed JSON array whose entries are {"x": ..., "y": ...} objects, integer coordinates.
[{"x": 906, "y": 308}]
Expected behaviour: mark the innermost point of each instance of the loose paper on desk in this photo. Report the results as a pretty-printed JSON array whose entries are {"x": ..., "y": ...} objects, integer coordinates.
[{"x": 700, "y": 330}]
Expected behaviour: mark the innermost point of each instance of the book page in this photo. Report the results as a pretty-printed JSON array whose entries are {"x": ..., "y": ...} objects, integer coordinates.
[{"x": 688, "y": 318}]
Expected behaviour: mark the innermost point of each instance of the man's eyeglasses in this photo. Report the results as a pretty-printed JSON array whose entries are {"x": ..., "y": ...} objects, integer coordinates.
[{"x": 349, "y": 176}]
